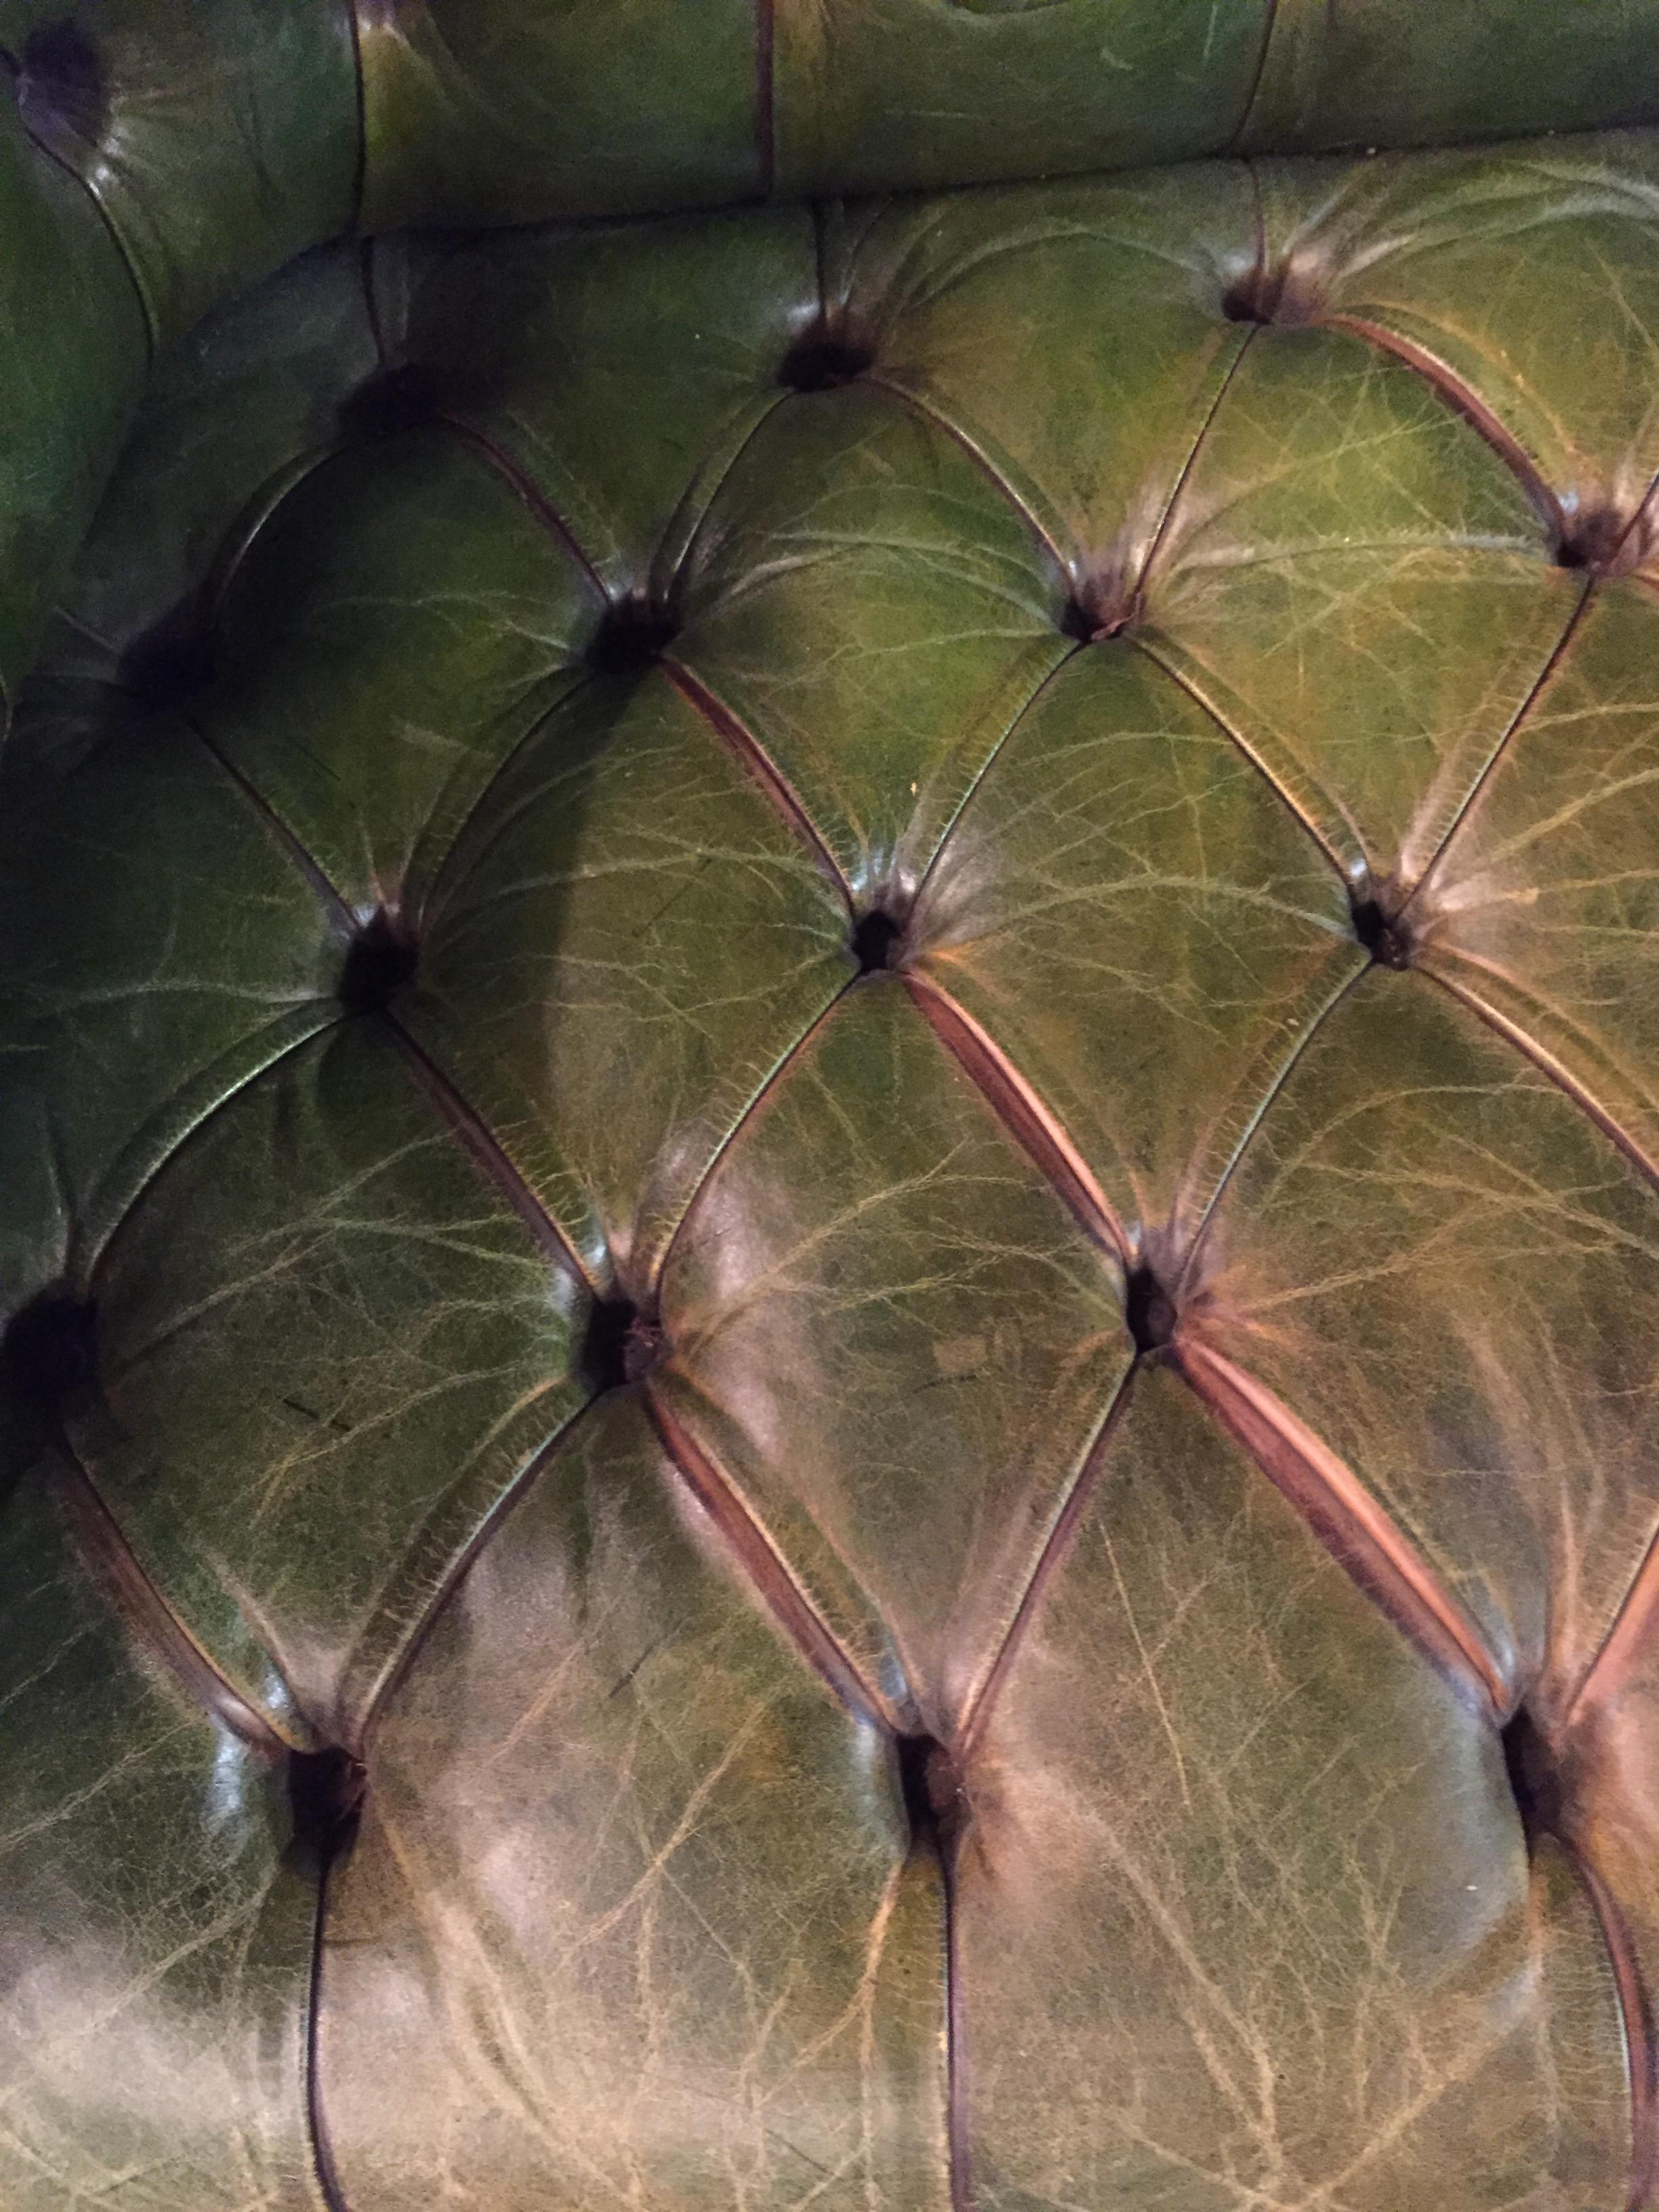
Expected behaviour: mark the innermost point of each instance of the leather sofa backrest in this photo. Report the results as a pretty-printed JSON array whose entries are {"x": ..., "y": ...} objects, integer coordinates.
[{"x": 152, "y": 162}]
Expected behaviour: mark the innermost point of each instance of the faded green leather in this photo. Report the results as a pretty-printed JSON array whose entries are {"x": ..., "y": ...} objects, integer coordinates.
[{"x": 829, "y": 1107}]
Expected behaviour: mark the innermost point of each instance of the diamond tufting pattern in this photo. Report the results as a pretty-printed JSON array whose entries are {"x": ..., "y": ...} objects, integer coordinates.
[{"x": 829, "y": 1198}]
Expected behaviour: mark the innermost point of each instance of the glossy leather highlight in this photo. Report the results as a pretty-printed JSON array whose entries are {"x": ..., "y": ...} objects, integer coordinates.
[{"x": 829, "y": 1121}]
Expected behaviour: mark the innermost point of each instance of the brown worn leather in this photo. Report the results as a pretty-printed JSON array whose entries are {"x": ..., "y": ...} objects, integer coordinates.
[{"x": 829, "y": 1103}]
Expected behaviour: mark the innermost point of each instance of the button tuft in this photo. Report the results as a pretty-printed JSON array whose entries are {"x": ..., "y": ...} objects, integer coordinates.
[
  {"x": 48, "y": 1357},
  {"x": 391, "y": 401},
  {"x": 826, "y": 357},
  {"x": 877, "y": 941},
  {"x": 1149, "y": 1312},
  {"x": 171, "y": 663},
  {"x": 60, "y": 85},
  {"x": 930, "y": 1781},
  {"x": 326, "y": 1790},
  {"x": 622, "y": 1344},
  {"x": 1100, "y": 612},
  {"x": 1386, "y": 937},
  {"x": 1604, "y": 542},
  {"x": 1245, "y": 301},
  {"x": 379, "y": 960},
  {"x": 1534, "y": 1777},
  {"x": 1285, "y": 294},
  {"x": 633, "y": 634}
]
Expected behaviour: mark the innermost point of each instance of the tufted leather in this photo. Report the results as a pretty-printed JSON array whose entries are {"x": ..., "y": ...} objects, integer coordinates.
[{"x": 829, "y": 1108}]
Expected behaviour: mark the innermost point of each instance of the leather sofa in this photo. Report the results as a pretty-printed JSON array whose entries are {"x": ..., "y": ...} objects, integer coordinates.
[{"x": 829, "y": 1105}]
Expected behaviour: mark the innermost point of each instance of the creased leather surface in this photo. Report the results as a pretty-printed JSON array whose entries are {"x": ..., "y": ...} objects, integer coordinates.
[
  {"x": 828, "y": 1092},
  {"x": 160, "y": 158}
]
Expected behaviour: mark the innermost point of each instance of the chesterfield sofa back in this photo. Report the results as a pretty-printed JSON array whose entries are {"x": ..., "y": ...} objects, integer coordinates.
[{"x": 829, "y": 1105}]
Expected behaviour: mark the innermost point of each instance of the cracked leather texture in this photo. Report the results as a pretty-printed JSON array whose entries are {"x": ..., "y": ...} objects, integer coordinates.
[{"x": 829, "y": 1111}]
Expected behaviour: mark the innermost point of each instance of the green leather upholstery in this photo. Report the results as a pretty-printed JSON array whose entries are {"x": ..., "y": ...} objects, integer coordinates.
[{"x": 829, "y": 1107}]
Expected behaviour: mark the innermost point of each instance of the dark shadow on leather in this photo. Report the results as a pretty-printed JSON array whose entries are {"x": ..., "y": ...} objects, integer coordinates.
[
  {"x": 1608, "y": 541},
  {"x": 326, "y": 1791},
  {"x": 48, "y": 1352},
  {"x": 60, "y": 89},
  {"x": 877, "y": 941},
  {"x": 633, "y": 636},
  {"x": 931, "y": 1783},
  {"x": 1272, "y": 293},
  {"x": 410, "y": 397},
  {"x": 167, "y": 666},
  {"x": 381, "y": 959},
  {"x": 48, "y": 1358},
  {"x": 830, "y": 354},
  {"x": 1148, "y": 1309},
  {"x": 1385, "y": 936},
  {"x": 622, "y": 1344},
  {"x": 1534, "y": 1778}
]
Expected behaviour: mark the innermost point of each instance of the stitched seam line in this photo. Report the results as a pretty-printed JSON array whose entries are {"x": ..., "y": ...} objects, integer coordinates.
[
  {"x": 1247, "y": 113},
  {"x": 146, "y": 309},
  {"x": 360, "y": 166},
  {"x": 135, "y": 1600},
  {"x": 766, "y": 1569}
]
